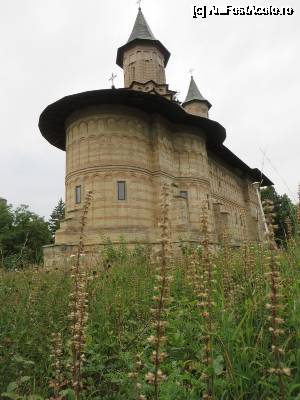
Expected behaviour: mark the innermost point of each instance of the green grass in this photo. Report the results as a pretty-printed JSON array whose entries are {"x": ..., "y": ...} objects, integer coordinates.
[{"x": 34, "y": 304}]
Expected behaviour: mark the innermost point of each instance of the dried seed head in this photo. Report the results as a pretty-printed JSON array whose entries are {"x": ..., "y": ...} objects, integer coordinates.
[
  {"x": 152, "y": 339},
  {"x": 132, "y": 375},
  {"x": 150, "y": 378}
]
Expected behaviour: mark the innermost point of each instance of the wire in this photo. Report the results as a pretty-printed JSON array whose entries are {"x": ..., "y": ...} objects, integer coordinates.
[
  {"x": 262, "y": 165},
  {"x": 277, "y": 172}
]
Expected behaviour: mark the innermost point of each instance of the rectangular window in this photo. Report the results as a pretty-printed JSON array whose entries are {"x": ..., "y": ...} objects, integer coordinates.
[
  {"x": 78, "y": 194},
  {"x": 208, "y": 202},
  {"x": 121, "y": 190},
  {"x": 184, "y": 194}
]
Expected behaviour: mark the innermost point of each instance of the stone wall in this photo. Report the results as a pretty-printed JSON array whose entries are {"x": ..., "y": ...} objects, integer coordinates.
[
  {"x": 143, "y": 63},
  {"x": 108, "y": 144},
  {"x": 235, "y": 203},
  {"x": 197, "y": 108}
]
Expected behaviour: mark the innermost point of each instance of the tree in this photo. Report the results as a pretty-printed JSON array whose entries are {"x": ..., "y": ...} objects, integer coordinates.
[
  {"x": 285, "y": 213},
  {"x": 6, "y": 223},
  {"x": 22, "y": 236},
  {"x": 57, "y": 215}
]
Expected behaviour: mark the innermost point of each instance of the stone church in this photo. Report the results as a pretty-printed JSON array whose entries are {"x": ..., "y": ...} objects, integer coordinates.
[{"x": 124, "y": 144}]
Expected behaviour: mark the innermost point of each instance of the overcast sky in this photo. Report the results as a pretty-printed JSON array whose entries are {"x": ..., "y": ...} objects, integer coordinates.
[{"x": 247, "y": 67}]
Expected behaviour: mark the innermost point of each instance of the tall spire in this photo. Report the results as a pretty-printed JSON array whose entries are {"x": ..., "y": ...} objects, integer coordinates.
[
  {"x": 194, "y": 94},
  {"x": 142, "y": 35},
  {"x": 141, "y": 29},
  {"x": 195, "y": 103}
]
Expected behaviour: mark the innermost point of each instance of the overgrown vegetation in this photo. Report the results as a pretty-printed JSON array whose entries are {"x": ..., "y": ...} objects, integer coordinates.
[
  {"x": 285, "y": 214},
  {"x": 35, "y": 304},
  {"x": 202, "y": 325}
]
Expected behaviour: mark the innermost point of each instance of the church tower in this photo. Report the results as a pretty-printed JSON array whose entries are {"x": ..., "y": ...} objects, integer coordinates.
[
  {"x": 195, "y": 103},
  {"x": 144, "y": 59},
  {"x": 124, "y": 144}
]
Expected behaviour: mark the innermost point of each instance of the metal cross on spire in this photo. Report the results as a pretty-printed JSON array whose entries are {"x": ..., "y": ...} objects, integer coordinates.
[
  {"x": 139, "y": 3},
  {"x": 112, "y": 79},
  {"x": 191, "y": 70}
]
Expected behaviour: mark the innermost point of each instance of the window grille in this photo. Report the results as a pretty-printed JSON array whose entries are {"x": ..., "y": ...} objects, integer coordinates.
[
  {"x": 78, "y": 194},
  {"x": 121, "y": 190}
]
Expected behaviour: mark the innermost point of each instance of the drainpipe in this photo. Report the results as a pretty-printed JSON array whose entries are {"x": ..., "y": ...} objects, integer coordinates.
[{"x": 257, "y": 187}]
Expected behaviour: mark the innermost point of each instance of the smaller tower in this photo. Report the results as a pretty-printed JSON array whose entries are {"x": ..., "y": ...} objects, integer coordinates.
[
  {"x": 143, "y": 59},
  {"x": 195, "y": 103}
]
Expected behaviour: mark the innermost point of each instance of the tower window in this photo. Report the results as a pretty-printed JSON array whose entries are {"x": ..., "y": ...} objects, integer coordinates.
[
  {"x": 208, "y": 202},
  {"x": 78, "y": 194},
  {"x": 184, "y": 194},
  {"x": 121, "y": 190}
]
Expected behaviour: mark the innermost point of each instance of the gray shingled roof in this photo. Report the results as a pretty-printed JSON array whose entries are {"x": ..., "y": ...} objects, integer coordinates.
[
  {"x": 141, "y": 29},
  {"x": 194, "y": 93},
  {"x": 142, "y": 33}
]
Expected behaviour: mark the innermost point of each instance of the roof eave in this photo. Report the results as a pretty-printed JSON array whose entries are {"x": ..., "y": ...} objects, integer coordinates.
[
  {"x": 232, "y": 159},
  {"x": 52, "y": 119},
  {"x": 261, "y": 178}
]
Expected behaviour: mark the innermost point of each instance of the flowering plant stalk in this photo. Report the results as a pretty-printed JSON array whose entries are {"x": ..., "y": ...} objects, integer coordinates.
[
  {"x": 274, "y": 306},
  {"x": 228, "y": 285},
  {"x": 206, "y": 302},
  {"x": 161, "y": 297},
  {"x": 78, "y": 306},
  {"x": 57, "y": 382}
]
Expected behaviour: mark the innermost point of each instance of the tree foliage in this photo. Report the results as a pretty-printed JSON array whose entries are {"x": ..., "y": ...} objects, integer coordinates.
[
  {"x": 285, "y": 213},
  {"x": 22, "y": 235},
  {"x": 57, "y": 215}
]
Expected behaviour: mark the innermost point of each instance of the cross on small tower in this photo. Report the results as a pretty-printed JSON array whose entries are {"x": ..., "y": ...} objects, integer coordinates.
[
  {"x": 112, "y": 79},
  {"x": 191, "y": 70},
  {"x": 139, "y": 3}
]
